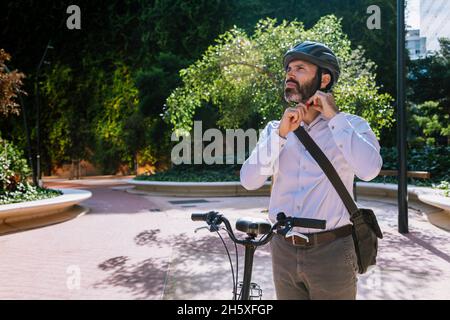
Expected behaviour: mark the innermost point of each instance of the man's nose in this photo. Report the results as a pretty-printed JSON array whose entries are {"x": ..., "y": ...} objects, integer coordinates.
[{"x": 290, "y": 75}]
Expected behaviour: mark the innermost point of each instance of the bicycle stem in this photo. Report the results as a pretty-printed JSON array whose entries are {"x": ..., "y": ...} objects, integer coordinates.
[{"x": 249, "y": 253}]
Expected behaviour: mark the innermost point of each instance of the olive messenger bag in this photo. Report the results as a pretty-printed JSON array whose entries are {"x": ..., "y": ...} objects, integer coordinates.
[{"x": 365, "y": 230}]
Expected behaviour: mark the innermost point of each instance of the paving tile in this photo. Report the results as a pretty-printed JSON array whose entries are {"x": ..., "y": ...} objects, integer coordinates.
[{"x": 124, "y": 249}]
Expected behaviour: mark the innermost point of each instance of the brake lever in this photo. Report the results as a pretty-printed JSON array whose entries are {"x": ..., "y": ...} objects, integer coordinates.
[
  {"x": 204, "y": 227},
  {"x": 211, "y": 228}
]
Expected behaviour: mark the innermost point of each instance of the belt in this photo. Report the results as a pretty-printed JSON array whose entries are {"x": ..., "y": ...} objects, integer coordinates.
[{"x": 320, "y": 237}]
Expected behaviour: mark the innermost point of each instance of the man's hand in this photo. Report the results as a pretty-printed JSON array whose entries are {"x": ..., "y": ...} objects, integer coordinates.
[
  {"x": 291, "y": 119},
  {"x": 324, "y": 103}
]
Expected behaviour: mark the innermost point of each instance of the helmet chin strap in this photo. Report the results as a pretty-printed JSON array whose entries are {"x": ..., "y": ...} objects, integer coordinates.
[
  {"x": 318, "y": 82},
  {"x": 319, "y": 78}
]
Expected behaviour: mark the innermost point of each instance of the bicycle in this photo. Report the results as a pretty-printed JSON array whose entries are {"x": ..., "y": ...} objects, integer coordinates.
[{"x": 253, "y": 227}]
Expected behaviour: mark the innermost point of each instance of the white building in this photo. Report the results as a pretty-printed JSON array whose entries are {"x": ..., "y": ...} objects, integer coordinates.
[
  {"x": 434, "y": 22},
  {"x": 416, "y": 44}
]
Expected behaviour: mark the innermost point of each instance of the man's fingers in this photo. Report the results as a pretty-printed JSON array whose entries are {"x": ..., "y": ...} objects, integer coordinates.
[
  {"x": 293, "y": 116},
  {"x": 316, "y": 99},
  {"x": 321, "y": 93},
  {"x": 303, "y": 112}
]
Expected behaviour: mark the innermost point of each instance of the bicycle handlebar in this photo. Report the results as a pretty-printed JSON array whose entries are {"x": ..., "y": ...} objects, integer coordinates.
[
  {"x": 308, "y": 223},
  {"x": 300, "y": 222},
  {"x": 199, "y": 216},
  {"x": 214, "y": 219}
]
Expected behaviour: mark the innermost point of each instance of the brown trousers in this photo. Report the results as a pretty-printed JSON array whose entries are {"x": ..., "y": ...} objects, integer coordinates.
[{"x": 323, "y": 272}]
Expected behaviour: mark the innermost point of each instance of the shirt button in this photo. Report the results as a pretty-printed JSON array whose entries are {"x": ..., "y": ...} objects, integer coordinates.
[
  {"x": 332, "y": 127},
  {"x": 340, "y": 146}
]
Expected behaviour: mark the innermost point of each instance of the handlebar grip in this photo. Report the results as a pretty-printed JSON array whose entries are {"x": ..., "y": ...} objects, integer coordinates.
[
  {"x": 309, "y": 223},
  {"x": 199, "y": 216}
]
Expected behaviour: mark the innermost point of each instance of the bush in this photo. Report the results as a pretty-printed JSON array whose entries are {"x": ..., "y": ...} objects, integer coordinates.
[
  {"x": 428, "y": 158},
  {"x": 195, "y": 173},
  {"x": 444, "y": 185},
  {"x": 14, "y": 172}
]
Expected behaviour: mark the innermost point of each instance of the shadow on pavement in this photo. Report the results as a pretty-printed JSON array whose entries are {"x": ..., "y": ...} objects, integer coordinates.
[{"x": 198, "y": 268}]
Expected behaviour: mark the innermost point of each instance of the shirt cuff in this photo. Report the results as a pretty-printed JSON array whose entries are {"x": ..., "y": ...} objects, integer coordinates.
[
  {"x": 339, "y": 123},
  {"x": 277, "y": 139}
]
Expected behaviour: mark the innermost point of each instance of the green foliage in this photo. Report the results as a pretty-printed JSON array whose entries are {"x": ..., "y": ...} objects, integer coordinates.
[
  {"x": 14, "y": 172},
  {"x": 184, "y": 28},
  {"x": 120, "y": 104},
  {"x": 55, "y": 89},
  {"x": 243, "y": 76},
  {"x": 14, "y": 168},
  {"x": 380, "y": 44},
  {"x": 27, "y": 192},
  {"x": 429, "y": 122},
  {"x": 431, "y": 159},
  {"x": 191, "y": 173},
  {"x": 155, "y": 38},
  {"x": 444, "y": 185},
  {"x": 429, "y": 98}
]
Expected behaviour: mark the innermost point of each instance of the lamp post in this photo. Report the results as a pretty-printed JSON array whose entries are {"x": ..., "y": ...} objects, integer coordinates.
[
  {"x": 38, "y": 142},
  {"x": 401, "y": 121}
]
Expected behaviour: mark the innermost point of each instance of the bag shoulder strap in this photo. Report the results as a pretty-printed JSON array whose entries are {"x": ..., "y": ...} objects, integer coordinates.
[{"x": 327, "y": 168}]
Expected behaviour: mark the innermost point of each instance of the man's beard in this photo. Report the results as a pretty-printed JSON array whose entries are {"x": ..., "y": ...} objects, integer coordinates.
[{"x": 301, "y": 93}]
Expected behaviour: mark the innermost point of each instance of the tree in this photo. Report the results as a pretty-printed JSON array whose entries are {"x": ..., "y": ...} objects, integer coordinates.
[
  {"x": 429, "y": 124},
  {"x": 119, "y": 105},
  {"x": 154, "y": 39},
  {"x": 10, "y": 86},
  {"x": 242, "y": 76},
  {"x": 380, "y": 44},
  {"x": 428, "y": 98}
]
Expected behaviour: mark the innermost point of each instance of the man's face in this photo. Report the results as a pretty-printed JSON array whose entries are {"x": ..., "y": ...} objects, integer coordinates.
[{"x": 301, "y": 81}]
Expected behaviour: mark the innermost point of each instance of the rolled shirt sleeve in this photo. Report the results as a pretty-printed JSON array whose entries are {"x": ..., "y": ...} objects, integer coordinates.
[
  {"x": 358, "y": 144},
  {"x": 263, "y": 161}
]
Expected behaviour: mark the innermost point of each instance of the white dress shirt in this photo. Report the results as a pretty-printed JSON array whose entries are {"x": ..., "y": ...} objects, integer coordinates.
[{"x": 300, "y": 188}]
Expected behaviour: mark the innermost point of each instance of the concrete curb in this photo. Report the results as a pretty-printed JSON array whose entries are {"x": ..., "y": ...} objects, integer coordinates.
[
  {"x": 197, "y": 189},
  {"x": 423, "y": 194},
  {"x": 231, "y": 189},
  {"x": 26, "y": 215}
]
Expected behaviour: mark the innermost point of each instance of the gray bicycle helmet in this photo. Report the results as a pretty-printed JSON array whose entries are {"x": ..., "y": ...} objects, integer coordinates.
[{"x": 316, "y": 53}]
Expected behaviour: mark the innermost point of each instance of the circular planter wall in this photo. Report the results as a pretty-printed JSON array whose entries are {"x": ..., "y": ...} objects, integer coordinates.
[
  {"x": 196, "y": 189},
  {"x": 31, "y": 214}
]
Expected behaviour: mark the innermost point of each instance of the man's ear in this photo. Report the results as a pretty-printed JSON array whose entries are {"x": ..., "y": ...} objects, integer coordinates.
[{"x": 326, "y": 79}]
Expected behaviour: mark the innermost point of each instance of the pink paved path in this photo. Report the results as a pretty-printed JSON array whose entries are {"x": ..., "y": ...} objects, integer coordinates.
[{"x": 124, "y": 248}]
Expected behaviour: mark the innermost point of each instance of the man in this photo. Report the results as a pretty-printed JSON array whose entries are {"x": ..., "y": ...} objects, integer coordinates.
[{"x": 325, "y": 267}]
